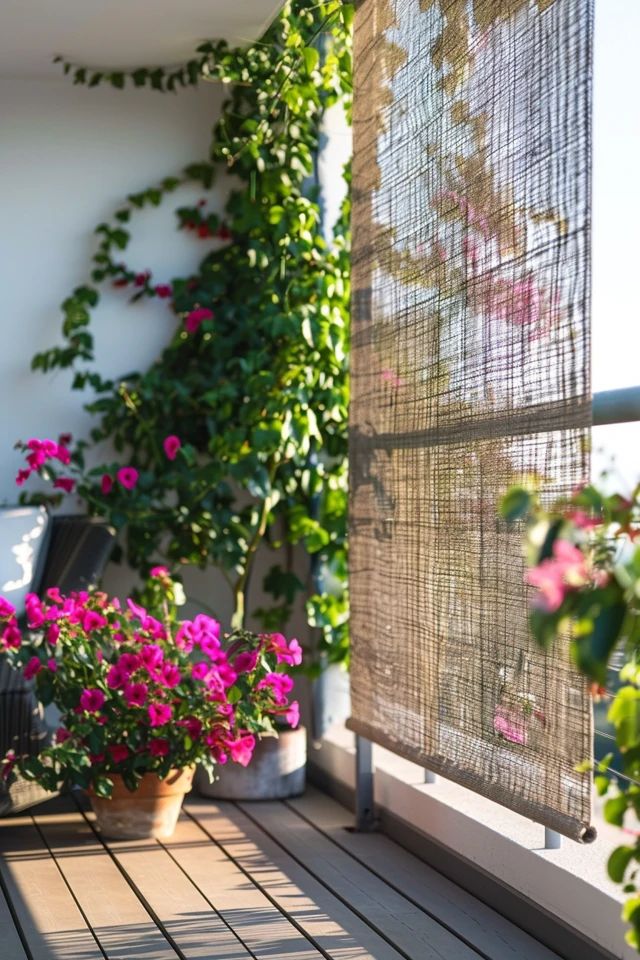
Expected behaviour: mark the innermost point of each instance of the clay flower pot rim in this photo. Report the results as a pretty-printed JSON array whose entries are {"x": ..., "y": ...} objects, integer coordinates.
[{"x": 178, "y": 780}]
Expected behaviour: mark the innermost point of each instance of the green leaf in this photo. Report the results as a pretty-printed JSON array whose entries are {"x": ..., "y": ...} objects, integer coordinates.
[
  {"x": 615, "y": 809},
  {"x": 592, "y": 651},
  {"x": 515, "y": 504},
  {"x": 311, "y": 58},
  {"x": 619, "y": 861},
  {"x": 624, "y": 714},
  {"x": 117, "y": 80}
]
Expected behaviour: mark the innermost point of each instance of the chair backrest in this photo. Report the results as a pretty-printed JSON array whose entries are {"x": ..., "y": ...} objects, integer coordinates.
[
  {"x": 78, "y": 553},
  {"x": 24, "y": 537}
]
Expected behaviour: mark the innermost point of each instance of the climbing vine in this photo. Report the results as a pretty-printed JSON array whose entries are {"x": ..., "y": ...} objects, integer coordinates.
[{"x": 235, "y": 437}]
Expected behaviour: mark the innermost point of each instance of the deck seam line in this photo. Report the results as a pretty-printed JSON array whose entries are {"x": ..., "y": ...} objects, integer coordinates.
[
  {"x": 152, "y": 914},
  {"x": 212, "y": 905},
  {"x": 15, "y": 918},
  {"x": 446, "y": 926},
  {"x": 343, "y": 900},
  {"x": 69, "y": 887},
  {"x": 294, "y": 923}
]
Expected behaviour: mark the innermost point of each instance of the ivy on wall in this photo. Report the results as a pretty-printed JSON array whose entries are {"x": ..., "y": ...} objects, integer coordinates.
[{"x": 237, "y": 433}]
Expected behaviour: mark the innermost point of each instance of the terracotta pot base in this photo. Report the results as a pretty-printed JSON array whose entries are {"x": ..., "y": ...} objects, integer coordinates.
[{"x": 150, "y": 811}]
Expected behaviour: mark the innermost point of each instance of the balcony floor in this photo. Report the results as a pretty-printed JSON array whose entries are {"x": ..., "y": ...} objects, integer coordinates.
[{"x": 268, "y": 881}]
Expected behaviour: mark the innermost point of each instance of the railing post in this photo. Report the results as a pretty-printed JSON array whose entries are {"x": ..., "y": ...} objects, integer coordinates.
[
  {"x": 430, "y": 777},
  {"x": 365, "y": 818},
  {"x": 552, "y": 840}
]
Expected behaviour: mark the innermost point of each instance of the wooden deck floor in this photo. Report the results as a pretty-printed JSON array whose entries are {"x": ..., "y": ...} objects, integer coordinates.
[{"x": 269, "y": 881}]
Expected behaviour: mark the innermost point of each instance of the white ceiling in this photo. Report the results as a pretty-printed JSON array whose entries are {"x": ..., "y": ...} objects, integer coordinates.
[{"x": 121, "y": 33}]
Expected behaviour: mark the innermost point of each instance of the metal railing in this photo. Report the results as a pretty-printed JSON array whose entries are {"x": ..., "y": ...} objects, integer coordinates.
[{"x": 608, "y": 407}]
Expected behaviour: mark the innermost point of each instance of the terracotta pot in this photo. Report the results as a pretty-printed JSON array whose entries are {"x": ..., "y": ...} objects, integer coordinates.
[
  {"x": 276, "y": 771},
  {"x": 150, "y": 811}
]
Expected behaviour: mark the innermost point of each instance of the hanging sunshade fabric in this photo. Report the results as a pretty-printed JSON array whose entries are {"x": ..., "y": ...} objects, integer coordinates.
[{"x": 470, "y": 371}]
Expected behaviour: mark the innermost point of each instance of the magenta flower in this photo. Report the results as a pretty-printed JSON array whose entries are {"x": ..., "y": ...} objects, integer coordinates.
[
  {"x": 246, "y": 662},
  {"x": 151, "y": 656},
  {"x": 64, "y": 483},
  {"x": 159, "y": 572},
  {"x": 136, "y": 694},
  {"x": 159, "y": 747},
  {"x": 184, "y": 637},
  {"x": 280, "y": 683},
  {"x": 22, "y": 475},
  {"x": 170, "y": 675},
  {"x": 6, "y": 609},
  {"x": 129, "y": 662},
  {"x": 62, "y": 734},
  {"x": 159, "y": 714},
  {"x": 53, "y": 632},
  {"x": 11, "y": 636},
  {"x": 192, "y": 725},
  {"x": 227, "y": 674},
  {"x": 292, "y": 714},
  {"x": 241, "y": 750},
  {"x": 32, "y": 668},
  {"x": 127, "y": 477},
  {"x": 164, "y": 290},
  {"x": 119, "y": 752},
  {"x": 116, "y": 677},
  {"x": 92, "y": 620},
  {"x": 92, "y": 700},
  {"x": 171, "y": 446},
  {"x": 195, "y": 317},
  {"x": 52, "y": 664},
  {"x": 62, "y": 454},
  {"x": 200, "y": 670},
  {"x": 290, "y": 653},
  {"x": 106, "y": 484}
]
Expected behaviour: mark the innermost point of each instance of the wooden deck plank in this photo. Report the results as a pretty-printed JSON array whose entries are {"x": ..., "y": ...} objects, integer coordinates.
[
  {"x": 10, "y": 942},
  {"x": 257, "y": 921},
  {"x": 120, "y": 923},
  {"x": 51, "y": 922},
  {"x": 478, "y": 924},
  {"x": 413, "y": 932},
  {"x": 332, "y": 925},
  {"x": 184, "y": 915}
]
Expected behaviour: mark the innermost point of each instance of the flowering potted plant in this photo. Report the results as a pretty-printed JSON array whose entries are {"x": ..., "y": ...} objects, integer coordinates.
[
  {"x": 583, "y": 556},
  {"x": 143, "y": 700}
]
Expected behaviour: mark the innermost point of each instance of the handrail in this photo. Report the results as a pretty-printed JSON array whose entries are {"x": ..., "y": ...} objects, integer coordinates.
[{"x": 616, "y": 406}]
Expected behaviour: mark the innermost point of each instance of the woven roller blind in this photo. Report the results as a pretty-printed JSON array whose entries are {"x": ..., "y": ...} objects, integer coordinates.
[{"x": 470, "y": 371}]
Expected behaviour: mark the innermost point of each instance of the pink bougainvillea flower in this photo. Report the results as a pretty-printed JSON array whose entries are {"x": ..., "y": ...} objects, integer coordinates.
[
  {"x": 509, "y": 726},
  {"x": 292, "y": 714},
  {"x": 62, "y": 454},
  {"x": 164, "y": 290},
  {"x": 290, "y": 653},
  {"x": 64, "y": 483},
  {"x": 159, "y": 714},
  {"x": 227, "y": 674},
  {"x": 241, "y": 749},
  {"x": 195, "y": 317},
  {"x": 62, "y": 734},
  {"x": 32, "y": 668},
  {"x": 11, "y": 636},
  {"x": 159, "y": 572},
  {"x": 204, "y": 231},
  {"x": 557, "y": 574},
  {"x": 392, "y": 378},
  {"x": 92, "y": 700},
  {"x": 34, "y": 610},
  {"x": 6, "y": 609},
  {"x": 280, "y": 683},
  {"x": 119, "y": 752},
  {"x": 22, "y": 475},
  {"x": 52, "y": 664},
  {"x": 8, "y": 763},
  {"x": 159, "y": 747},
  {"x": 223, "y": 232},
  {"x": 65, "y": 439},
  {"x": 171, "y": 446},
  {"x": 135, "y": 694},
  {"x": 53, "y": 632},
  {"x": 106, "y": 484},
  {"x": 246, "y": 662},
  {"x": 127, "y": 477},
  {"x": 184, "y": 637},
  {"x": 141, "y": 279}
]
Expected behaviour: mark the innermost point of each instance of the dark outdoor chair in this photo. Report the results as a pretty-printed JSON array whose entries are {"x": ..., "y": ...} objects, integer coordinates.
[{"x": 74, "y": 557}]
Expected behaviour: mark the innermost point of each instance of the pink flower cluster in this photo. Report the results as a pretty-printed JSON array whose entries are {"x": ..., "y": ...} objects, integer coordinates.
[
  {"x": 148, "y": 693},
  {"x": 567, "y": 569},
  {"x": 39, "y": 454}
]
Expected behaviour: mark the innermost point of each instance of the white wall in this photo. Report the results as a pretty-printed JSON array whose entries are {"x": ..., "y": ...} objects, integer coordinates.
[{"x": 68, "y": 157}]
